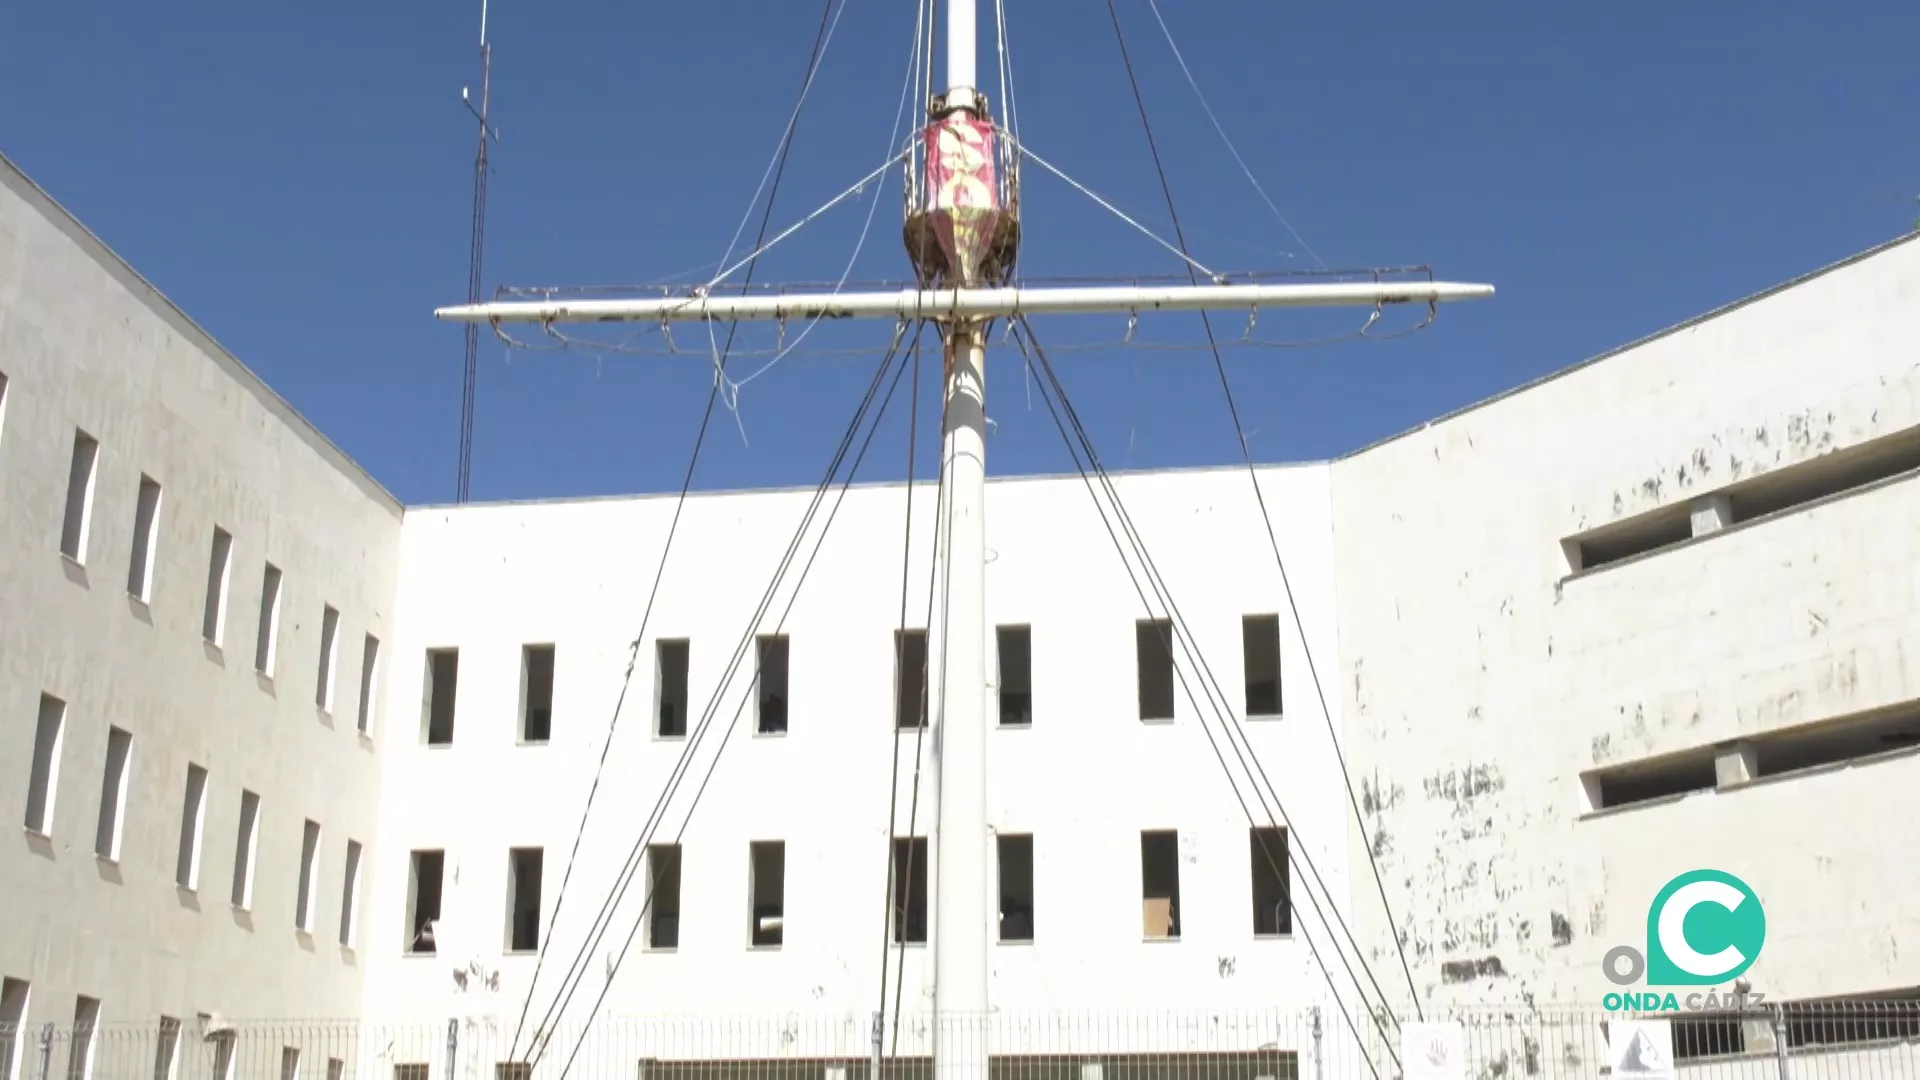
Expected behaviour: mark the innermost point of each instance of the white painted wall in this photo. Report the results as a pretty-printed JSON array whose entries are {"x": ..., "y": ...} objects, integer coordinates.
[
  {"x": 1084, "y": 780},
  {"x": 85, "y": 342},
  {"x": 1482, "y": 684}
]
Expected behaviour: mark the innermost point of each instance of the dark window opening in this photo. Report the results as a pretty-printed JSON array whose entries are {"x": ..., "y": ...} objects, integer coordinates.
[
  {"x": 1153, "y": 653},
  {"x": 536, "y": 693},
  {"x": 1016, "y": 887},
  {"x": 1885, "y": 1016},
  {"x": 524, "y": 866},
  {"x": 909, "y": 678},
  {"x": 670, "y": 663},
  {"x": 767, "y": 870},
  {"x": 1772, "y": 492},
  {"x": 663, "y": 896},
  {"x": 1621, "y": 540},
  {"x": 1707, "y": 1036},
  {"x": 443, "y": 684},
  {"x": 423, "y": 900},
  {"x": 910, "y": 890},
  {"x": 1016, "y": 675},
  {"x": 1835, "y": 742},
  {"x": 1260, "y": 647},
  {"x": 1646, "y": 781},
  {"x": 771, "y": 700},
  {"x": 1272, "y": 907},
  {"x": 1160, "y": 883}
]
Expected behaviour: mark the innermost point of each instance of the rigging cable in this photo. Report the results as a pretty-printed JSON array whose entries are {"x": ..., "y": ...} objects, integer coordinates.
[
  {"x": 891, "y": 914},
  {"x": 679, "y": 505},
  {"x": 942, "y": 570},
  {"x": 1267, "y": 519},
  {"x": 1049, "y": 377},
  {"x": 1231, "y": 149},
  {"x": 746, "y": 640}
]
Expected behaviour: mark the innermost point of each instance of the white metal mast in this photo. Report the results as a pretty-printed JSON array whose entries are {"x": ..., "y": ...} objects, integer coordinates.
[
  {"x": 962, "y": 915},
  {"x": 963, "y": 234}
]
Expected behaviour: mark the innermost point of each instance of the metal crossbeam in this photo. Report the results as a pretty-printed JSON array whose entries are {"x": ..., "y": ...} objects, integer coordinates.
[{"x": 966, "y": 303}]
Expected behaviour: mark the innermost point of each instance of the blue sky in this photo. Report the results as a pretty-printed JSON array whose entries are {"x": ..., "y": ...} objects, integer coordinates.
[{"x": 299, "y": 182}]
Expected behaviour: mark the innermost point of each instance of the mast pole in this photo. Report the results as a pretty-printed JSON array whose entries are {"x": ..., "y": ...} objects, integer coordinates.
[{"x": 962, "y": 913}]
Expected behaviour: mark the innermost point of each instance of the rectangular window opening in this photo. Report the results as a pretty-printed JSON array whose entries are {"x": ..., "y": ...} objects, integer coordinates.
[
  {"x": 113, "y": 796},
  {"x": 767, "y": 883},
  {"x": 1837, "y": 741},
  {"x": 1260, "y": 647},
  {"x": 536, "y": 693},
  {"x": 146, "y": 536},
  {"x": 1016, "y": 887},
  {"x": 13, "y": 1027},
  {"x": 423, "y": 899},
  {"x": 336, "y": 1069},
  {"x": 222, "y": 1048},
  {"x": 289, "y": 1063},
  {"x": 1153, "y": 653},
  {"x": 43, "y": 783},
  {"x": 443, "y": 686},
  {"x": 329, "y": 652},
  {"x": 193, "y": 824},
  {"x": 770, "y": 716},
  {"x": 1648, "y": 781},
  {"x": 663, "y": 896},
  {"x": 246, "y": 842},
  {"x": 512, "y": 1070},
  {"x": 670, "y": 678},
  {"x": 1015, "y": 647},
  {"x": 266, "y": 646},
  {"x": 213, "y": 616},
  {"x": 410, "y": 1070},
  {"x": 1708, "y": 1036},
  {"x": 77, "y": 523},
  {"x": 524, "y": 867},
  {"x": 350, "y": 895},
  {"x": 1272, "y": 905},
  {"x": 910, "y": 890},
  {"x": 369, "y": 683},
  {"x": 86, "y": 1017},
  {"x": 309, "y": 885},
  {"x": 1160, "y": 883},
  {"x": 166, "y": 1054},
  {"x": 909, "y": 678}
]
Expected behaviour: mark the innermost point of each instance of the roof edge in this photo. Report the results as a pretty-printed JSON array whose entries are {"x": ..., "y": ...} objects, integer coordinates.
[
  {"x": 1685, "y": 324},
  {"x": 16, "y": 180},
  {"x": 863, "y": 485}
]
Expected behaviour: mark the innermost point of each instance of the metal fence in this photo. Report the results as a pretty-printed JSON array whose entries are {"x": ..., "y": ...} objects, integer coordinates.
[{"x": 1853, "y": 1040}]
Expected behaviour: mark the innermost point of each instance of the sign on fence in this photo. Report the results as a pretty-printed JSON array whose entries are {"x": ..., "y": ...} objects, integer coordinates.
[
  {"x": 1640, "y": 1049},
  {"x": 1433, "y": 1050}
]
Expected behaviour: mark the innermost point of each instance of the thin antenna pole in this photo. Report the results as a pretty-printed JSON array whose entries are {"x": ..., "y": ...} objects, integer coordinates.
[{"x": 475, "y": 255}]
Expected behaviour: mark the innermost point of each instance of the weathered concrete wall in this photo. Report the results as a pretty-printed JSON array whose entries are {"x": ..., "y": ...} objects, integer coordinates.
[
  {"x": 1481, "y": 679},
  {"x": 1084, "y": 780},
  {"x": 84, "y": 342}
]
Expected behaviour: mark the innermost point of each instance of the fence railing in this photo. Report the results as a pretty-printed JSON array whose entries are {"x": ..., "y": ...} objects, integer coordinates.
[{"x": 1851, "y": 1040}]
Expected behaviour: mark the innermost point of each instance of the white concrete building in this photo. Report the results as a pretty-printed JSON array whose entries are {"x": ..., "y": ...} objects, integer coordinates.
[{"x": 281, "y": 747}]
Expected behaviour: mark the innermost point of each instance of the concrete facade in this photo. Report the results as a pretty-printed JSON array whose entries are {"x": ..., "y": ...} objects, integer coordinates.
[
  {"x": 87, "y": 345},
  {"x": 1484, "y": 676},
  {"x": 1659, "y": 566}
]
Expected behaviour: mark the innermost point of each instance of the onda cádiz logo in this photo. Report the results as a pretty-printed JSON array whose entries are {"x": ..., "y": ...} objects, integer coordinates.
[{"x": 1704, "y": 928}]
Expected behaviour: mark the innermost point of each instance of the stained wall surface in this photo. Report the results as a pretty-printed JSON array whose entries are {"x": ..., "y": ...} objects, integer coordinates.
[{"x": 1491, "y": 674}]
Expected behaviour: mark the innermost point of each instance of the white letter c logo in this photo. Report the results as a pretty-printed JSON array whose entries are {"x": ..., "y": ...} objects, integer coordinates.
[{"x": 1673, "y": 935}]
